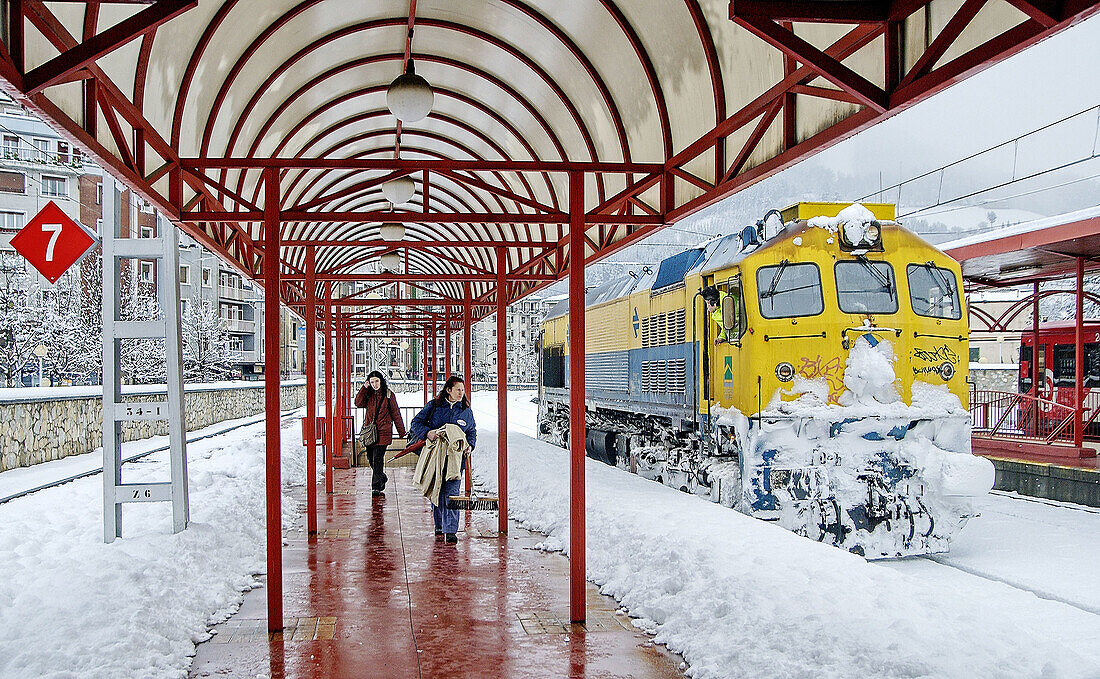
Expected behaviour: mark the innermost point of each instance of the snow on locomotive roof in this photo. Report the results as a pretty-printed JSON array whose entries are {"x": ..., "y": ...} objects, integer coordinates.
[{"x": 619, "y": 287}]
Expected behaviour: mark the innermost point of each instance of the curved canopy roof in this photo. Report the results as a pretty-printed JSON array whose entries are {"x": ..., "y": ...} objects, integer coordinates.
[{"x": 657, "y": 108}]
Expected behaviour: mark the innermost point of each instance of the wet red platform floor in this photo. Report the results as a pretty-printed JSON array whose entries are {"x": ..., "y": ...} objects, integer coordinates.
[{"x": 381, "y": 597}]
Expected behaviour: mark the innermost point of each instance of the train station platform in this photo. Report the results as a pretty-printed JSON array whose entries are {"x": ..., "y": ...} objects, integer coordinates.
[
  {"x": 1067, "y": 478},
  {"x": 377, "y": 595}
]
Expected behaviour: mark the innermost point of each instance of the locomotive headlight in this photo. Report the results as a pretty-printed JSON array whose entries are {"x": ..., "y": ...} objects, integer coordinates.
[
  {"x": 784, "y": 371},
  {"x": 858, "y": 234},
  {"x": 947, "y": 371},
  {"x": 871, "y": 233}
]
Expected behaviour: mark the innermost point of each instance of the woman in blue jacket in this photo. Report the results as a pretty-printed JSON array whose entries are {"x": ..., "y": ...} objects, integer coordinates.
[{"x": 449, "y": 407}]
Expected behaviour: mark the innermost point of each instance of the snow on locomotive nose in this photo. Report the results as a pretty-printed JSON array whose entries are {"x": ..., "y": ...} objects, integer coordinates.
[{"x": 872, "y": 474}]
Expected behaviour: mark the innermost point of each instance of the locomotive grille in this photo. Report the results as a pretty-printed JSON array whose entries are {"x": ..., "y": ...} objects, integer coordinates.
[
  {"x": 678, "y": 376},
  {"x": 662, "y": 329},
  {"x": 681, "y": 326},
  {"x": 662, "y": 376},
  {"x": 608, "y": 371}
]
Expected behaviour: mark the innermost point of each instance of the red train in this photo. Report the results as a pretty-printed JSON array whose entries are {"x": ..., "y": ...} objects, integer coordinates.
[{"x": 1056, "y": 363}]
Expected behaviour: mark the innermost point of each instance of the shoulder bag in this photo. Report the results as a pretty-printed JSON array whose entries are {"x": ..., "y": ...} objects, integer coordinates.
[{"x": 368, "y": 434}]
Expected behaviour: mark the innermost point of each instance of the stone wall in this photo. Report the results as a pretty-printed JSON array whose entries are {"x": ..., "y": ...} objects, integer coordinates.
[
  {"x": 995, "y": 377},
  {"x": 48, "y": 424}
]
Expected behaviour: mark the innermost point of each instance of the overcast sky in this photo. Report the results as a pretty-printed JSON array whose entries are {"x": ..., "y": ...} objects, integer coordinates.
[{"x": 1045, "y": 83}]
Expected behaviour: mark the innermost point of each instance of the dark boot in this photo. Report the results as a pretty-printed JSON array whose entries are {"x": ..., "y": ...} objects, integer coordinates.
[{"x": 451, "y": 538}]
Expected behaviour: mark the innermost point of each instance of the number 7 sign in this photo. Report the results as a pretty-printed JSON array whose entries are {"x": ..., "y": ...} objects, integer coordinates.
[{"x": 52, "y": 242}]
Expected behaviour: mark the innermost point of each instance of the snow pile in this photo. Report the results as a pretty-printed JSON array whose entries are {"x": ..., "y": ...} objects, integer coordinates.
[
  {"x": 872, "y": 474},
  {"x": 744, "y": 598},
  {"x": 72, "y": 606},
  {"x": 869, "y": 374},
  {"x": 853, "y": 214}
]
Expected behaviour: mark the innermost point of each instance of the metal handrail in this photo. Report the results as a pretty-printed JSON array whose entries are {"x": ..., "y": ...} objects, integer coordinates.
[{"x": 1016, "y": 415}]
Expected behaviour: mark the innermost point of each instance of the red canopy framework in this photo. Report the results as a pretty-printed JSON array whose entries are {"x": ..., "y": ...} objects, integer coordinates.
[{"x": 560, "y": 133}]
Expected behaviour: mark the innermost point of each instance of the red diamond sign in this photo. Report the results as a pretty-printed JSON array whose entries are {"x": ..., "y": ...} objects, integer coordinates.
[{"x": 52, "y": 242}]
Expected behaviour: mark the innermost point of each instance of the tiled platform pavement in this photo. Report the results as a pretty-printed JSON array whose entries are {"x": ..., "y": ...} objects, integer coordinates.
[{"x": 377, "y": 595}]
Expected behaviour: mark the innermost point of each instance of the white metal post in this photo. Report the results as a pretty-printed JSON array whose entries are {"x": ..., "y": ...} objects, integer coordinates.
[{"x": 165, "y": 249}]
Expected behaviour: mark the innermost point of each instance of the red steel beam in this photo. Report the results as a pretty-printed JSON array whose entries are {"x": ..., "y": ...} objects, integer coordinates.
[
  {"x": 576, "y": 400},
  {"x": 360, "y": 217},
  {"x": 418, "y": 244},
  {"x": 311, "y": 393},
  {"x": 850, "y": 11},
  {"x": 502, "y": 390},
  {"x": 467, "y": 361},
  {"x": 594, "y": 166},
  {"x": 273, "y": 478},
  {"x": 829, "y": 68},
  {"x": 85, "y": 54},
  {"x": 1079, "y": 365},
  {"x": 330, "y": 395}
]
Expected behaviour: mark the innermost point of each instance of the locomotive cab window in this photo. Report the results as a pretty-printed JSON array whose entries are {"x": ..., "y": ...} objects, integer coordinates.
[
  {"x": 734, "y": 319},
  {"x": 866, "y": 287},
  {"x": 933, "y": 291},
  {"x": 789, "y": 290}
]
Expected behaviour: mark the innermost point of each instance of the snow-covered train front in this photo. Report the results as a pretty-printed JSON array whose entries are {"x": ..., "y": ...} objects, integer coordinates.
[{"x": 826, "y": 393}]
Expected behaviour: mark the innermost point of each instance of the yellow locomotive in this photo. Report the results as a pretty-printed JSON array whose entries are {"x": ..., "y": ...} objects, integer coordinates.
[{"x": 824, "y": 386}]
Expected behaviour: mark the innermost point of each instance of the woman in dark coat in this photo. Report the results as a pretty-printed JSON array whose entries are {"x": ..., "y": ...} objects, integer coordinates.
[
  {"x": 381, "y": 407},
  {"x": 449, "y": 407}
]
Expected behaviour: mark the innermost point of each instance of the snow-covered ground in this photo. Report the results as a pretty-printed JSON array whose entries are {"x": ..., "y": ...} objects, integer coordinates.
[
  {"x": 744, "y": 598},
  {"x": 72, "y": 606},
  {"x": 738, "y": 597}
]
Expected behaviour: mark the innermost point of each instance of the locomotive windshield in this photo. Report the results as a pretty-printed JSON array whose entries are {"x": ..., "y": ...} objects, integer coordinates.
[
  {"x": 865, "y": 287},
  {"x": 933, "y": 291},
  {"x": 789, "y": 290}
]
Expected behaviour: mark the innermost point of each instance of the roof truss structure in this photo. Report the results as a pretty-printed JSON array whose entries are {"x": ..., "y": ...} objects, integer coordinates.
[{"x": 663, "y": 109}]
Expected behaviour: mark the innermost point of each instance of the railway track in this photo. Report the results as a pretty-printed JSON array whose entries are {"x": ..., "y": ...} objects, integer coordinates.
[{"x": 284, "y": 416}]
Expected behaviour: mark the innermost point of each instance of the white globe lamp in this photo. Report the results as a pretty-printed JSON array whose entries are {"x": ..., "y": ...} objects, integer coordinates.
[
  {"x": 390, "y": 261},
  {"x": 399, "y": 191},
  {"x": 409, "y": 96},
  {"x": 392, "y": 231}
]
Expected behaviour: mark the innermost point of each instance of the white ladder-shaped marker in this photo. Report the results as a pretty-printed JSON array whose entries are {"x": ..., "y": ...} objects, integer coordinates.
[{"x": 165, "y": 250}]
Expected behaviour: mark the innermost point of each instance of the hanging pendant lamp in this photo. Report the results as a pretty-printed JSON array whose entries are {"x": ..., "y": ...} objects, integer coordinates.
[{"x": 409, "y": 96}]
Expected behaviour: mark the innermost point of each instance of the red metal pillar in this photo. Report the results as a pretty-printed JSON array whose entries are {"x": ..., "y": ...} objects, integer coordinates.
[
  {"x": 1079, "y": 359},
  {"x": 311, "y": 392},
  {"x": 467, "y": 358},
  {"x": 435, "y": 360},
  {"x": 424, "y": 346},
  {"x": 272, "y": 349},
  {"x": 467, "y": 362},
  {"x": 338, "y": 407},
  {"x": 576, "y": 398},
  {"x": 447, "y": 343},
  {"x": 330, "y": 395},
  {"x": 502, "y": 390},
  {"x": 1035, "y": 375}
]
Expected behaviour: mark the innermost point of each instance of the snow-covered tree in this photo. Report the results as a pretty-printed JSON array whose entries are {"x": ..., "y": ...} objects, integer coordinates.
[
  {"x": 141, "y": 360},
  {"x": 73, "y": 323},
  {"x": 21, "y": 321},
  {"x": 207, "y": 350}
]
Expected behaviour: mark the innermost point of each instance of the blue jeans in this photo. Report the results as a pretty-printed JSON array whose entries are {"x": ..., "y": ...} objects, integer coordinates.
[{"x": 444, "y": 517}]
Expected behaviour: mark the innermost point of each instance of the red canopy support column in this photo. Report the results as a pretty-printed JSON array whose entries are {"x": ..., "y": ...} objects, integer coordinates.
[
  {"x": 447, "y": 343},
  {"x": 502, "y": 390},
  {"x": 341, "y": 359},
  {"x": 1079, "y": 358},
  {"x": 311, "y": 392},
  {"x": 576, "y": 398},
  {"x": 467, "y": 321},
  {"x": 330, "y": 395},
  {"x": 1035, "y": 374},
  {"x": 336, "y": 358},
  {"x": 435, "y": 360},
  {"x": 272, "y": 349},
  {"x": 424, "y": 346},
  {"x": 467, "y": 362}
]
